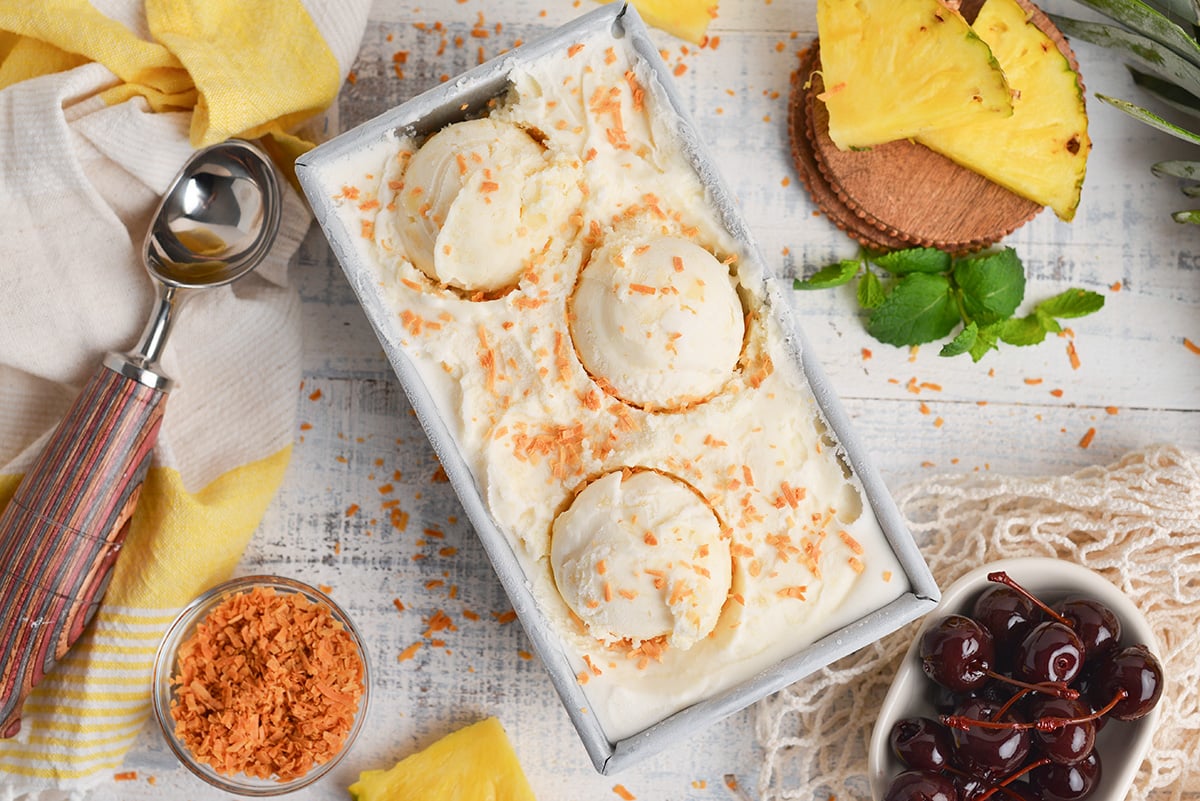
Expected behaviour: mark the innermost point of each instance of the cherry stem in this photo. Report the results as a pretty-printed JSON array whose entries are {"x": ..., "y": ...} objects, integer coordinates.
[
  {"x": 1037, "y": 763},
  {"x": 1055, "y": 688},
  {"x": 1000, "y": 577},
  {"x": 1017, "y": 696},
  {"x": 1003, "y": 787},
  {"x": 1043, "y": 724}
]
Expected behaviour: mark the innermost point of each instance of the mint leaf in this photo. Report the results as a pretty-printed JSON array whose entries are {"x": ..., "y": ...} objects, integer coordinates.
[
  {"x": 984, "y": 342},
  {"x": 870, "y": 291},
  {"x": 1047, "y": 322},
  {"x": 992, "y": 285},
  {"x": 920, "y": 308},
  {"x": 842, "y": 272},
  {"x": 961, "y": 343},
  {"x": 927, "y": 293},
  {"x": 1021, "y": 331},
  {"x": 1072, "y": 303},
  {"x": 914, "y": 260}
]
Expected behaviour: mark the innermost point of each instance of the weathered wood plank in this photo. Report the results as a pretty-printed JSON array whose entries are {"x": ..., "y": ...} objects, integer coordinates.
[{"x": 362, "y": 513}]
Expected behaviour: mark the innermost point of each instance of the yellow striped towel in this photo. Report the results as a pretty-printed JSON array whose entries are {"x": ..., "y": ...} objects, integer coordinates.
[{"x": 100, "y": 109}]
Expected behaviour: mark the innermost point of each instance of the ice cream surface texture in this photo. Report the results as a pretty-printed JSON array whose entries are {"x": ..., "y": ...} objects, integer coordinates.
[
  {"x": 626, "y": 396},
  {"x": 476, "y": 204},
  {"x": 658, "y": 320},
  {"x": 638, "y": 556}
]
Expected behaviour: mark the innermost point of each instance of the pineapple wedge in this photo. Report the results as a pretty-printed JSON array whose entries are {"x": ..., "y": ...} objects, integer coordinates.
[
  {"x": 894, "y": 69},
  {"x": 1041, "y": 151},
  {"x": 687, "y": 19},
  {"x": 471, "y": 764}
]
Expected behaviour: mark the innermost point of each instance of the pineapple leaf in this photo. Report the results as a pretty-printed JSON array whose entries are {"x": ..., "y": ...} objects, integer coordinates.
[
  {"x": 1177, "y": 169},
  {"x": 1191, "y": 190},
  {"x": 1147, "y": 21},
  {"x": 1192, "y": 217},
  {"x": 1167, "y": 92},
  {"x": 1146, "y": 53},
  {"x": 1151, "y": 119},
  {"x": 1181, "y": 12}
]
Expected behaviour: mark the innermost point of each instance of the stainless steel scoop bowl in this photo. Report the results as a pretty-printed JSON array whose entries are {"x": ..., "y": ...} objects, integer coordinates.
[
  {"x": 61, "y": 532},
  {"x": 214, "y": 224}
]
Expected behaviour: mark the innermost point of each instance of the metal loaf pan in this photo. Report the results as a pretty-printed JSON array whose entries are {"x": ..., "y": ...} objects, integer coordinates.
[{"x": 466, "y": 96}]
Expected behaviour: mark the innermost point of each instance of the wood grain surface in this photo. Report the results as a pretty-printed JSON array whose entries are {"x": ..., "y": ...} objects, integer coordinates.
[
  {"x": 363, "y": 510},
  {"x": 64, "y": 526}
]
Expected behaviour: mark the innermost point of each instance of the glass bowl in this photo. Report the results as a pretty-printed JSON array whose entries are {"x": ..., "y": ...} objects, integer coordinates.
[{"x": 166, "y": 667}]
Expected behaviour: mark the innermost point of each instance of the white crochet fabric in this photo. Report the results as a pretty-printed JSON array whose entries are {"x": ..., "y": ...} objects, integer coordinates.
[{"x": 1136, "y": 521}]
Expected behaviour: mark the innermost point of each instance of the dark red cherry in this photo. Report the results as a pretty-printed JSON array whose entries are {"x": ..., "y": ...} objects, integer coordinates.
[
  {"x": 1066, "y": 744},
  {"x": 1084, "y": 684},
  {"x": 957, "y": 652},
  {"x": 921, "y": 785},
  {"x": 1136, "y": 671},
  {"x": 1097, "y": 625},
  {"x": 1066, "y": 782},
  {"x": 920, "y": 743},
  {"x": 1000, "y": 690},
  {"x": 987, "y": 751},
  {"x": 1052, "y": 651},
  {"x": 986, "y": 788},
  {"x": 1006, "y": 613},
  {"x": 946, "y": 700},
  {"x": 971, "y": 787},
  {"x": 1017, "y": 791}
]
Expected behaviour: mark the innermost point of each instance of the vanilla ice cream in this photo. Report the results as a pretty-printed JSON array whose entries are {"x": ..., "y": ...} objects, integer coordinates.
[
  {"x": 657, "y": 320},
  {"x": 477, "y": 205},
  {"x": 639, "y": 556},
  {"x": 605, "y": 356}
]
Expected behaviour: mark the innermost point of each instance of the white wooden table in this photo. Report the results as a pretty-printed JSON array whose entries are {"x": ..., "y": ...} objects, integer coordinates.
[{"x": 363, "y": 512}]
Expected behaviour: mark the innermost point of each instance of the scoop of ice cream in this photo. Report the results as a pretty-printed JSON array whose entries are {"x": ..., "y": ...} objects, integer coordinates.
[
  {"x": 640, "y": 555},
  {"x": 657, "y": 320},
  {"x": 478, "y": 203}
]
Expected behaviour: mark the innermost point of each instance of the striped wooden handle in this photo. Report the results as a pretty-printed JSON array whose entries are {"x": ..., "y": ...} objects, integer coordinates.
[{"x": 62, "y": 530}]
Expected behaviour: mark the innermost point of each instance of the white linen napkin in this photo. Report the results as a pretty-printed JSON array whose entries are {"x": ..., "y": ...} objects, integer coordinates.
[{"x": 121, "y": 94}]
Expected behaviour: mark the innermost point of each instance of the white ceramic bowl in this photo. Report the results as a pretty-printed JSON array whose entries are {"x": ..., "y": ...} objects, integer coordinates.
[{"x": 1122, "y": 745}]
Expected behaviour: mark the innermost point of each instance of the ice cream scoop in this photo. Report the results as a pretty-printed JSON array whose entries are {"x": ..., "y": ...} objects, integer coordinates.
[
  {"x": 640, "y": 555},
  {"x": 64, "y": 527},
  {"x": 657, "y": 320},
  {"x": 477, "y": 205}
]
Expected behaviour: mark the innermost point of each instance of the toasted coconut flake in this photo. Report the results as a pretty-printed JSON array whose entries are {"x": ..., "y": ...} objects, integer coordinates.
[{"x": 268, "y": 686}]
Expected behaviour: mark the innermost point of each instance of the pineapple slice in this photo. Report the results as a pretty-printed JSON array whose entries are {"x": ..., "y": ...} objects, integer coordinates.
[
  {"x": 471, "y": 764},
  {"x": 1041, "y": 151},
  {"x": 896, "y": 68},
  {"x": 687, "y": 19}
]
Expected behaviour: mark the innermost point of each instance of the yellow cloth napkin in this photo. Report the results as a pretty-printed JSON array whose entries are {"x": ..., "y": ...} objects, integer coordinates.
[{"x": 98, "y": 110}]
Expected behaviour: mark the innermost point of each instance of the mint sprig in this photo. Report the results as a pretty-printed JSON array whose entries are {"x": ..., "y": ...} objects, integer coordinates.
[{"x": 925, "y": 294}]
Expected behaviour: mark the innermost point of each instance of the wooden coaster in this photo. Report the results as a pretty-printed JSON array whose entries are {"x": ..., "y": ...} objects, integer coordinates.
[{"x": 900, "y": 194}]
